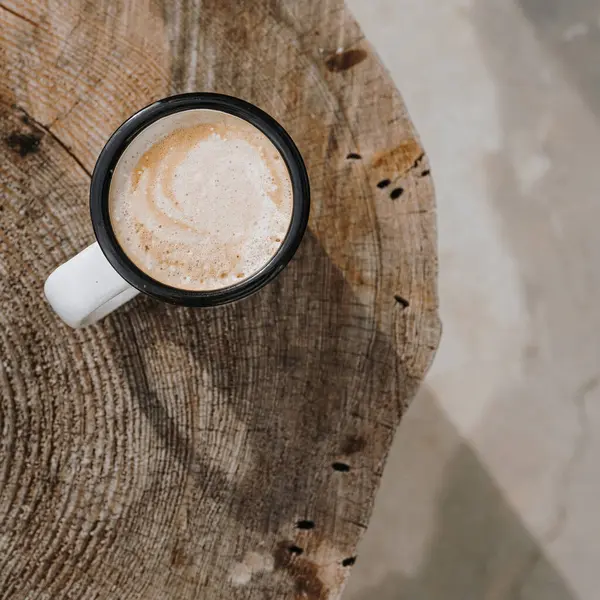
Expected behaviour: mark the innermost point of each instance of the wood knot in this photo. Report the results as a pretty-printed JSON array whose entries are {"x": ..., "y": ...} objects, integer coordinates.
[
  {"x": 399, "y": 159},
  {"x": 24, "y": 143},
  {"x": 303, "y": 572}
]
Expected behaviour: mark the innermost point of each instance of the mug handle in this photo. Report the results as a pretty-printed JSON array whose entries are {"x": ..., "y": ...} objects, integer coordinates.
[{"x": 86, "y": 288}]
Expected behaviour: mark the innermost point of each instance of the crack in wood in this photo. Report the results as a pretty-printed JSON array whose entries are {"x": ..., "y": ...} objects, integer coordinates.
[{"x": 18, "y": 15}]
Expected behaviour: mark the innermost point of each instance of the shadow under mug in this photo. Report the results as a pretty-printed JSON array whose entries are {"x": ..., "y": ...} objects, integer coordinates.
[{"x": 101, "y": 278}]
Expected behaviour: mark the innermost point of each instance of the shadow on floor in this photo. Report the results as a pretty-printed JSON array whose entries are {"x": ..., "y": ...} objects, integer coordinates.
[
  {"x": 570, "y": 30},
  {"x": 477, "y": 548}
]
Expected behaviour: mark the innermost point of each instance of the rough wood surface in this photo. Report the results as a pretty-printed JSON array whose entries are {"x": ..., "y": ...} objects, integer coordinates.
[{"x": 217, "y": 454}]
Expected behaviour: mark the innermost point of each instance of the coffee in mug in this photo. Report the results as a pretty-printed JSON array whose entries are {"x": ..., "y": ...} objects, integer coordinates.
[{"x": 198, "y": 199}]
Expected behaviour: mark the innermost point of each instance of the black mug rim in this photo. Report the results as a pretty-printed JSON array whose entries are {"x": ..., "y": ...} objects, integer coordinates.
[{"x": 113, "y": 150}]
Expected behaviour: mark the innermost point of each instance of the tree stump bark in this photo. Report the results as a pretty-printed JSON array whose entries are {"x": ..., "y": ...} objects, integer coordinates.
[{"x": 227, "y": 453}]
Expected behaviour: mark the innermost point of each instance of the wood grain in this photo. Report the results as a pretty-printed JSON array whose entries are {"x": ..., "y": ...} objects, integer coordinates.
[{"x": 220, "y": 454}]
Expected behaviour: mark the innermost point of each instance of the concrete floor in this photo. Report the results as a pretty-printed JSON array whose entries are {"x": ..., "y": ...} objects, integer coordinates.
[{"x": 493, "y": 486}]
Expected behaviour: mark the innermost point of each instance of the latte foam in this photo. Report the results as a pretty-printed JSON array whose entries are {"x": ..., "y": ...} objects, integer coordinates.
[{"x": 200, "y": 200}]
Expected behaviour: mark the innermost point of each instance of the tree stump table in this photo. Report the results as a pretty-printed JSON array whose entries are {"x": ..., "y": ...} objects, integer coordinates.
[{"x": 229, "y": 453}]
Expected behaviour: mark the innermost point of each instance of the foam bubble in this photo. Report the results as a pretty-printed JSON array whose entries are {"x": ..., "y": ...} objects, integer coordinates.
[{"x": 200, "y": 200}]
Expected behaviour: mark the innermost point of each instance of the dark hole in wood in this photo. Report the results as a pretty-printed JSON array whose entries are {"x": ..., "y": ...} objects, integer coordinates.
[
  {"x": 426, "y": 172},
  {"x": 383, "y": 183},
  {"x": 340, "y": 466},
  {"x": 348, "y": 562},
  {"x": 353, "y": 156},
  {"x": 397, "y": 193},
  {"x": 342, "y": 61},
  {"x": 295, "y": 550},
  {"x": 419, "y": 159},
  {"x": 403, "y": 302},
  {"x": 305, "y": 524}
]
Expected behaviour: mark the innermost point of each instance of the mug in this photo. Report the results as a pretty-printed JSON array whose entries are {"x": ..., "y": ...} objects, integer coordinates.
[{"x": 101, "y": 278}]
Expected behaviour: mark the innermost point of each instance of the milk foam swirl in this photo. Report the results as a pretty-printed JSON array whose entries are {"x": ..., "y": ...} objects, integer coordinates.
[{"x": 200, "y": 200}]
